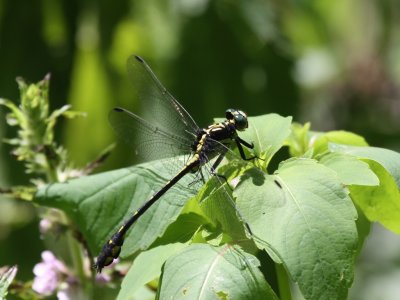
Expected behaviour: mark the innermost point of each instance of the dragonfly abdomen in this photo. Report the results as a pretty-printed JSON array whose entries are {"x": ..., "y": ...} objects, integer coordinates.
[{"x": 112, "y": 248}]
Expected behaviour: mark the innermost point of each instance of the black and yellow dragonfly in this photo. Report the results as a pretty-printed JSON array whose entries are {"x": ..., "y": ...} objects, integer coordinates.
[{"x": 171, "y": 132}]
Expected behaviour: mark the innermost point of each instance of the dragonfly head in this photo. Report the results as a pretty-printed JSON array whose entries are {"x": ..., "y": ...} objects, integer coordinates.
[{"x": 238, "y": 117}]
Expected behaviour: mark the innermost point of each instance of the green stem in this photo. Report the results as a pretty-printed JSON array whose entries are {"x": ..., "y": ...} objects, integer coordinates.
[
  {"x": 73, "y": 245},
  {"x": 51, "y": 175},
  {"x": 283, "y": 283},
  {"x": 77, "y": 260}
]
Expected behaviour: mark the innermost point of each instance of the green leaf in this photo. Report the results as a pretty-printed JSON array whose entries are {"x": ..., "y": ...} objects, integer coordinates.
[
  {"x": 298, "y": 139},
  {"x": 302, "y": 216},
  {"x": 204, "y": 272},
  {"x": 387, "y": 158},
  {"x": 267, "y": 133},
  {"x": 217, "y": 204},
  {"x": 19, "y": 192},
  {"x": 379, "y": 203},
  {"x": 6, "y": 277},
  {"x": 146, "y": 267},
  {"x": 16, "y": 113},
  {"x": 349, "y": 169},
  {"x": 99, "y": 204},
  {"x": 363, "y": 228},
  {"x": 322, "y": 140},
  {"x": 182, "y": 230}
]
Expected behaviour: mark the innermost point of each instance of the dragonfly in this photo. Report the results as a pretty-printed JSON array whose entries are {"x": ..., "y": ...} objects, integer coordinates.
[{"x": 166, "y": 130}]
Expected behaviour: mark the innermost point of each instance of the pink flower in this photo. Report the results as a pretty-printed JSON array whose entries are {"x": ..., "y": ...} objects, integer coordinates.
[
  {"x": 48, "y": 274},
  {"x": 44, "y": 226},
  {"x": 63, "y": 295}
]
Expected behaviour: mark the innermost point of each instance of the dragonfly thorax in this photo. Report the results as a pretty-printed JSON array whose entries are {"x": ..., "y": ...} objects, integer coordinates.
[{"x": 210, "y": 141}]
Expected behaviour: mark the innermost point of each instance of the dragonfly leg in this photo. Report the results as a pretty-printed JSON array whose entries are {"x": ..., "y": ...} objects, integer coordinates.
[
  {"x": 215, "y": 166},
  {"x": 240, "y": 143},
  {"x": 197, "y": 179},
  {"x": 241, "y": 151},
  {"x": 217, "y": 163},
  {"x": 202, "y": 176},
  {"x": 244, "y": 143}
]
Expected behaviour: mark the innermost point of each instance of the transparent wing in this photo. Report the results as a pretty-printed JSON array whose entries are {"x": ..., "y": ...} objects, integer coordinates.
[
  {"x": 216, "y": 198},
  {"x": 160, "y": 108},
  {"x": 149, "y": 141}
]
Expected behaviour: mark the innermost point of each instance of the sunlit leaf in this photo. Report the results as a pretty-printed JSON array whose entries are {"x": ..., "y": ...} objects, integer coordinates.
[
  {"x": 302, "y": 216},
  {"x": 268, "y": 133},
  {"x": 142, "y": 271},
  {"x": 204, "y": 272},
  {"x": 379, "y": 203},
  {"x": 349, "y": 169},
  {"x": 387, "y": 158},
  {"x": 322, "y": 140}
]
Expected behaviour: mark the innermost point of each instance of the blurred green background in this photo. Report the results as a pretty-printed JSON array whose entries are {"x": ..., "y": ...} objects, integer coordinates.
[{"x": 333, "y": 63}]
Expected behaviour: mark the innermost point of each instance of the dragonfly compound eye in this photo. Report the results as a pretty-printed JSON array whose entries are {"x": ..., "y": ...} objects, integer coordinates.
[
  {"x": 240, "y": 120},
  {"x": 229, "y": 113}
]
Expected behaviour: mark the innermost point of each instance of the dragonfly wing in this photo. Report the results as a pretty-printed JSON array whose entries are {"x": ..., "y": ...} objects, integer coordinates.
[
  {"x": 149, "y": 141},
  {"x": 159, "y": 106}
]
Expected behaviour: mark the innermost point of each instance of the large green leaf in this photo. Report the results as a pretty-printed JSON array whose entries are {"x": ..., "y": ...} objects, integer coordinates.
[
  {"x": 202, "y": 271},
  {"x": 98, "y": 204},
  {"x": 146, "y": 267},
  {"x": 302, "y": 216},
  {"x": 379, "y": 203}
]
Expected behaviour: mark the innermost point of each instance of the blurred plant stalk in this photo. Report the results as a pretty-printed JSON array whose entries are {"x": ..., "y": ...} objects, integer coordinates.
[{"x": 44, "y": 159}]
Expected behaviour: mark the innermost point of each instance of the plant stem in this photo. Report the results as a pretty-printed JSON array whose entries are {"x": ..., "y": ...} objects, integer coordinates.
[
  {"x": 73, "y": 245},
  {"x": 77, "y": 259},
  {"x": 283, "y": 283}
]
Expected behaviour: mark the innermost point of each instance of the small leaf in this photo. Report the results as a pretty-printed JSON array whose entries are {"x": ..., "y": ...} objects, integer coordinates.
[
  {"x": 340, "y": 137},
  {"x": 302, "y": 216},
  {"x": 182, "y": 230},
  {"x": 349, "y": 169},
  {"x": 58, "y": 112},
  {"x": 267, "y": 133},
  {"x": 20, "y": 192},
  {"x": 146, "y": 267},
  {"x": 201, "y": 271},
  {"x": 16, "y": 113},
  {"x": 70, "y": 114},
  {"x": 387, "y": 158},
  {"x": 298, "y": 141},
  {"x": 379, "y": 203},
  {"x": 6, "y": 277}
]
